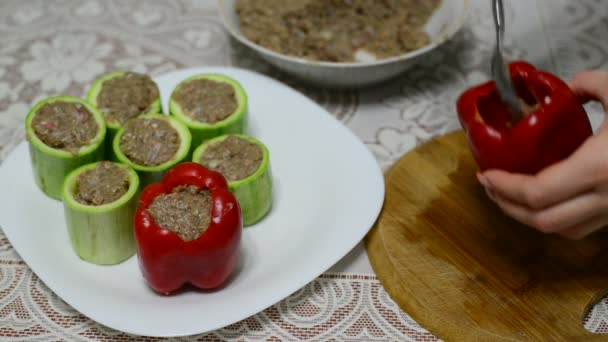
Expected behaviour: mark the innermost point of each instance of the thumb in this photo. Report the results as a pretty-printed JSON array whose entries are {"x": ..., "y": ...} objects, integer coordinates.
[{"x": 591, "y": 85}]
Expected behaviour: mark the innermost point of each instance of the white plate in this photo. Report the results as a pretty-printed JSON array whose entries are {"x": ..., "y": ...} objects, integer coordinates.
[{"x": 328, "y": 193}]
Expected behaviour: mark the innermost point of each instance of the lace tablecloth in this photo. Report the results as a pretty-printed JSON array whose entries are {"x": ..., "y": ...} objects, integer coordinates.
[{"x": 60, "y": 46}]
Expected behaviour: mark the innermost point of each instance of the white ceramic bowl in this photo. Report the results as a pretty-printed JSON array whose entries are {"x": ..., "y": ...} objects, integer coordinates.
[{"x": 442, "y": 26}]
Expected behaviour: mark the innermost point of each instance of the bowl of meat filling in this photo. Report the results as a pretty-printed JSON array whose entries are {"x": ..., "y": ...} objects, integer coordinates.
[{"x": 343, "y": 43}]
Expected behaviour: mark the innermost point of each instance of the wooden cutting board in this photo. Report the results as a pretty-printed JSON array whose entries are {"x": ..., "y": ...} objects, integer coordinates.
[{"x": 466, "y": 272}]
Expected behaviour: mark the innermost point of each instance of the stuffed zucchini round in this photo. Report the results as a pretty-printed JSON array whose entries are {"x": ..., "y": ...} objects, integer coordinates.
[
  {"x": 245, "y": 163},
  {"x": 210, "y": 105},
  {"x": 121, "y": 96},
  {"x": 151, "y": 144},
  {"x": 64, "y": 133},
  {"x": 99, "y": 204}
]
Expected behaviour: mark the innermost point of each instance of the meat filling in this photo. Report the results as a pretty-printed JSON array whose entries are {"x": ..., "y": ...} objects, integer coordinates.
[
  {"x": 337, "y": 30},
  {"x": 65, "y": 125},
  {"x": 185, "y": 211},
  {"x": 234, "y": 157},
  {"x": 149, "y": 142},
  {"x": 125, "y": 97},
  {"x": 104, "y": 184},
  {"x": 207, "y": 101}
]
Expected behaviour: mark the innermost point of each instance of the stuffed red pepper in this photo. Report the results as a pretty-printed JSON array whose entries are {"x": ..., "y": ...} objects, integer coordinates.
[{"x": 188, "y": 230}]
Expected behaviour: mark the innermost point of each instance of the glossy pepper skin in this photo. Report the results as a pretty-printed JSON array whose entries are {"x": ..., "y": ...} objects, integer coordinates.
[
  {"x": 167, "y": 261},
  {"x": 554, "y": 129}
]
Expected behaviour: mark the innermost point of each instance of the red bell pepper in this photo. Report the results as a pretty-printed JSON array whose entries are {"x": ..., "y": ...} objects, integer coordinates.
[
  {"x": 550, "y": 132},
  {"x": 166, "y": 260}
]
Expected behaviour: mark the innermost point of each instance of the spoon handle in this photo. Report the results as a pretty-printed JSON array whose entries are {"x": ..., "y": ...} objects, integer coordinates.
[{"x": 500, "y": 71}]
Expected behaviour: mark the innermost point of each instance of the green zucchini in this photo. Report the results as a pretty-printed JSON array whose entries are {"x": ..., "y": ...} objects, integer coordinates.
[
  {"x": 152, "y": 174},
  {"x": 254, "y": 193},
  {"x": 101, "y": 234},
  {"x": 114, "y": 126},
  {"x": 235, "y": 123},
  {"x": 51, "y": 165}
]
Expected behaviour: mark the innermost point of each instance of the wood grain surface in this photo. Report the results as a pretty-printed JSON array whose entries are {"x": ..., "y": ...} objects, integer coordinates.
[{"x": 466, "y": 272}]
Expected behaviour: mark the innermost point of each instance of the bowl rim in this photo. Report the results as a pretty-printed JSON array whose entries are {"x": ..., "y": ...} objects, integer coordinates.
[{"x": 345, "y": 65}]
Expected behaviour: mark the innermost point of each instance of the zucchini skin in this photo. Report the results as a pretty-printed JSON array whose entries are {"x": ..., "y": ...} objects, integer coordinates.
[
  {"x": 152, "y": 174},
  {"x": 50, "y": 166},
  {"x": 253, "y": 193},
  {"x": 113, "y": 127},
  {"x": 236, "y": 123},
  {"x": 102, "y": 234}
]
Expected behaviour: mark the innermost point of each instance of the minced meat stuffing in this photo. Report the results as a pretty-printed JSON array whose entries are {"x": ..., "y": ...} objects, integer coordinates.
[
  {"x": 206, "y": 100},
  {"x": 185, "y": 211},
  {"x": 337, "y": 30},
  {"x": 124, "y": 97},
  {"x": 104, "y": 184},
  {"x": 65, "y": 125},
  {"x": 234, "y": 157},
  {"x": 149, "y": 142}
]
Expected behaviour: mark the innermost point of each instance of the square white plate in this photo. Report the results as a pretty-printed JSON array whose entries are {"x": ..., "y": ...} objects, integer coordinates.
[{"x": 328, "y": 192}]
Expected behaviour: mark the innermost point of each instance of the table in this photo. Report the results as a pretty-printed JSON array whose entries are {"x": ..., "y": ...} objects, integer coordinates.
[{"x": 60, "y": 46}]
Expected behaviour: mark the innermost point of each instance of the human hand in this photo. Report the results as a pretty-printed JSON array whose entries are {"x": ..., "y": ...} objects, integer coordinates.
[{"x": 569, "y": 198}]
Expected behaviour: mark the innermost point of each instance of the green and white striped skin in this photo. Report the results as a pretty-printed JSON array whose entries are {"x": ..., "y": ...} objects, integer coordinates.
[
  {"x": 113, "y": 127},
  {"x": 101, "y": 234},
  {"x": 50, "y": 165},
  {"x": 253, "y": 193},
  {"x": 233, "y": 124},
  {"x": 152, "y": 174}
]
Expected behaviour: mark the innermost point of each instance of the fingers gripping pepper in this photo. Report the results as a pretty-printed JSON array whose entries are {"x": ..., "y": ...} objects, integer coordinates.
[
  {"x": 555, "y": 127},
  {"x": 166, "y": 260}
]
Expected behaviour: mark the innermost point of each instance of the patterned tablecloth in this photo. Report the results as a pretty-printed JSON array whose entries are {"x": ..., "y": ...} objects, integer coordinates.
[{"x": 60, "y": 46}]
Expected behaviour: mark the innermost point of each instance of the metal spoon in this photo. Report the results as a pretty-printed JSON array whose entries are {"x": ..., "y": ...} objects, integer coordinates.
[{"x": 500, "y": 73}]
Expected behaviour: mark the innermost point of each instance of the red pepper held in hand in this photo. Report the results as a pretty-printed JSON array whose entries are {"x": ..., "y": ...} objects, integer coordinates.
[
  {"x": 554, "y": 129},
  {"x": 166, "y": 260}
]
